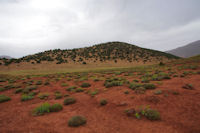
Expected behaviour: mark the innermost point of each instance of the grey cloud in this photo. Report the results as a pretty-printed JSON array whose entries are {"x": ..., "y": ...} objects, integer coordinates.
[{"x": 29, "y": 26}]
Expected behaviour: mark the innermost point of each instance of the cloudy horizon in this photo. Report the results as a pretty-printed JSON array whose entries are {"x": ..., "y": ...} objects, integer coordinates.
[{"x": 31, "y": 26}]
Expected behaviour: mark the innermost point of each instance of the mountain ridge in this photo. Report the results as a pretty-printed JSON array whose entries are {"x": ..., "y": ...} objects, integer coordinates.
[{"x": 188, "y": 50}]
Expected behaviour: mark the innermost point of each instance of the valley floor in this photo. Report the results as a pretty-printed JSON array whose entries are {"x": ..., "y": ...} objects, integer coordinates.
[{"x": 180, "y": 111}]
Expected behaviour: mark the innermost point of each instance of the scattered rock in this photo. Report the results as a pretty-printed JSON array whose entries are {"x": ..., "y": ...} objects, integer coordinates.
[{"x": 122, "y": 104}]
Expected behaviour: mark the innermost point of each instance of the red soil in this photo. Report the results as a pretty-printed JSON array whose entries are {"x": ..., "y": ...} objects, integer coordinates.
[{"x": 179, "y": 113}]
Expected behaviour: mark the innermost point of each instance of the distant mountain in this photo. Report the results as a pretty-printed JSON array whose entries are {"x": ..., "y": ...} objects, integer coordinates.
[
  {"x": 111, "y": 52},
  {"x": 188, "y": 50},
  {"x": 5, "y": 56}
]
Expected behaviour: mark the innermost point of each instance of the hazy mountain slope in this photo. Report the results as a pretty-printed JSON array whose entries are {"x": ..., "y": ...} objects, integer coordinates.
[
  {"x": 189, "y": 50},
  {"x": 101, "y": 53},
  {"x": 5, "y": 56}
]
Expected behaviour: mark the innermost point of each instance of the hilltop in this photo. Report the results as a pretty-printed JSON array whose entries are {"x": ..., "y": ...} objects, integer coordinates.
[
  {"x": 188, "y": 50},
  {"x": 111, "y": 52}
]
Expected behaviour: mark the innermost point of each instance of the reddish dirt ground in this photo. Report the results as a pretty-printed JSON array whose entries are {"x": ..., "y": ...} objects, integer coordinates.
[{"x": 179, "y": 113}]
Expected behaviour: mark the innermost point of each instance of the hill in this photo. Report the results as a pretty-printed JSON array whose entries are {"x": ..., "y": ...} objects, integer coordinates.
[
  {"x": 111, "y": 52},
  {"x": 188, "y": 50},
  {"x": 5, "y": 56}
]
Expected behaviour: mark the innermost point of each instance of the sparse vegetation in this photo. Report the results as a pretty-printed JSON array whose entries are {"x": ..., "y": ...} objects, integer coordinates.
[
  {"x": 76, "y": 121},
  {"x": 103, "y": 102},
  {"x": 55, "y": 107},
  {"x": 158, "y": 92},
  {"x": 85, "y": 85},
  {"x": 26, "y": 97},
  {"x": 4, "y": 98},
  {"x": 58, "y": 95},
  {"x": 47, "y": 108},
  {"x": 149, "y": 113},
  {"x": 69, "y": 100},
  {"x": 43, "y": 95},
  {"x": 188, "y": 86},
  {"x": 71, "y": 88}
]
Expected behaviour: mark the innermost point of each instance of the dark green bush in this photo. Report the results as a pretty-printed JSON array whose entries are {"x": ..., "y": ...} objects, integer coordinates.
[
  {"x": 4, "y": 98},
  {"x": 56, "y": 107},
  {"x": 149, "y": 86},
  {"x": 188, "y": 86},
  {"x": 140, "y": 90},
  {"x": 43, "y": 95},
  {"x": 126, "y": 92},
  {"x": 76, "y": 121},
  {"x": 42, "y": 109},
  {"x": 152, "y": 114},
  {"x": 38, "y": 82},
  {"x": 46, "y": 108},
  {"x": 58, "y": 95},
  {"x": 26, "y": 97},
  {"x": 103, "y": 102},
  {"x": 85, "y": 85},
  {"x": 71, "y": 88},
  {"x": 18, "y": 90},
  {"x": 134, "y": 85},
  {"x": 69, "y": 100},
  {"x": 79, "y": 90}
]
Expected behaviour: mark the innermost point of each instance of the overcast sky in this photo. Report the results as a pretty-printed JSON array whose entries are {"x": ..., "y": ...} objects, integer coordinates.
[{"x": 30, "y": 26}]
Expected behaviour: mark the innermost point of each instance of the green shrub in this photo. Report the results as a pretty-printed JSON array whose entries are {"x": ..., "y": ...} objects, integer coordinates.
[
  {"x": 149, "y": 86},
  {"x": 158, "y": 92},
  {"x": 7, "y": 87},
  {"x": 64, "y": 84},
  {"x": 43, "y": 95},
  {"x": 58, "y": 95},
  {"x": 79, "y": 90},
  {"x": 26, "y": 97},
  {"x": 56, "y": 107},
  {"x": 126, "y": 92},
  {"x": 18, "y": 90},
  {"x": 175, "y": 93},
  {"x": 103, "y": 102},
  {"x": 38, "y": 82},
  {"x": 4, "y": 98},
  {"x": 69, "y": 100},
  {"x": 140, "y": 90},
  {"x": 46, "y": 108},
  {"x": 113, "y": 83},
  {"x": 85, "y": 85},
  {"x": 145, "y": 80},
  {"x": 30, "y": 88},
  {"x": 46, "y": 83},
  {"x": 188, "y": 86},
  {"x": 152, "y": 114},
  {"x": 161, "y": 64},
  {"x": 134, "y": 85},
  {"x": 2, "y": 89},
  {"x": 71, "y": 88},
  {"x": 143, "y": 111},
  {"x": 2, "y": 80},
  {"x": 42, "y": 109},
  {"x": 93, "y": 93},
  {"x": 76, "y": 121}
]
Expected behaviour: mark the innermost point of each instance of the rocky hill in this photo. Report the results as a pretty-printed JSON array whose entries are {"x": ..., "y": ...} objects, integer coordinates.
[{"x": 105, "y": 52}]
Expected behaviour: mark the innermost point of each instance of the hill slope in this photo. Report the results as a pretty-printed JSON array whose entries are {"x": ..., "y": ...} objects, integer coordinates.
[
  {"x": 5, "y": 56},
  {"x": 189, "y": 50},
  {"x": 101, "y": 53}
]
